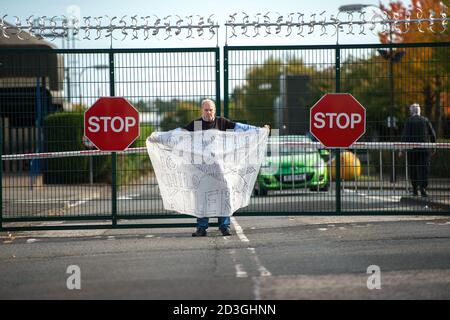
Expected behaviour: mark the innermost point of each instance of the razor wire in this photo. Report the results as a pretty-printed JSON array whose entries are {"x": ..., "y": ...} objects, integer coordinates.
[
  {"x": 299, "y": 24},
  {"x": 97, "y": 27},
  {"x": 206, "y": 28}
]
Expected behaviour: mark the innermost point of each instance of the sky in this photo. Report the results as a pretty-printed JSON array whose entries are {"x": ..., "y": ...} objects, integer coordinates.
[{"x": 220, "y": 9}]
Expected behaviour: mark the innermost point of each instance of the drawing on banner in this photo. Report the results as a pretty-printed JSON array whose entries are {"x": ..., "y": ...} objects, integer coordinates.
[{"x": 206, "y": 173}]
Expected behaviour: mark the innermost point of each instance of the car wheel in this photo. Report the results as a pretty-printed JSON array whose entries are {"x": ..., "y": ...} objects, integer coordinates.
[{"x": 258, "y": 191}]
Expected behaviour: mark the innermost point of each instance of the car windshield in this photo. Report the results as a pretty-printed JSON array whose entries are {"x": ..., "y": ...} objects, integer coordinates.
[
  {"x": 290, "y": 145},
  {"x": 294, "y": 149}
]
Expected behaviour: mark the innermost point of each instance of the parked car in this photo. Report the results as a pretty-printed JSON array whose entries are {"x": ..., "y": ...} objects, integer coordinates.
[{"x": 293, "y": 166}]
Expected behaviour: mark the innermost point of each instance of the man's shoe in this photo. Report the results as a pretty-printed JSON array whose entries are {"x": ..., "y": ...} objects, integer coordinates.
[
  {"x": 226, "y": 232},
  {"x": 423, "y": 193},
  {"x": 414, "y": 193},
  {"x": 200, "y": 232}
]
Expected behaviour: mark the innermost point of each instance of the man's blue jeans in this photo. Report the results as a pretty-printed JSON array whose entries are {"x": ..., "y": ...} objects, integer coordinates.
[{"x": 224, "y": 222}]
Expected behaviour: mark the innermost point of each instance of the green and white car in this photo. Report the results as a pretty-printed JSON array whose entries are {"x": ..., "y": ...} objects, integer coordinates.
[{"x": 293, "y": 166}]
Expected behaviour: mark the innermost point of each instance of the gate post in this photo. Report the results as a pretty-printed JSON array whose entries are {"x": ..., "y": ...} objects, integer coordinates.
[
  {"x": 225, "y": 81},
  {"x": 217, "y": 57},
  {"x": 338, "y": 150},
  {"x": 112, "y": 93},
  {"x": 1, "y": 176}
]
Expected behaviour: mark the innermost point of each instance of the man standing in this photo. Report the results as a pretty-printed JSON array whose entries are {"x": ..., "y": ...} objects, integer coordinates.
[
  {"x": 207, "y": 121},
  {"x": 418, "y": 129}
]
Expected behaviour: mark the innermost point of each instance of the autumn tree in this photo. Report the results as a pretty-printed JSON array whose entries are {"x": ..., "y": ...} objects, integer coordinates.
[
  {"x": 423, "y": 71},
  {"x": 416, "y": 32}
]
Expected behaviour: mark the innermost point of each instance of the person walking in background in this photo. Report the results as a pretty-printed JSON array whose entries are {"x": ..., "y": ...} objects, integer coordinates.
[{"x": 418, "y": 129}]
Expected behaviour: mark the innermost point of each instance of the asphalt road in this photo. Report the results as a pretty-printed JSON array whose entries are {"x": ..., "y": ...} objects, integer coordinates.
[{"x": 266, "y": 258}]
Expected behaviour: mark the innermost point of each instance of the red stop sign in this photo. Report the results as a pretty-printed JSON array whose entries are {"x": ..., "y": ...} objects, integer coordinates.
[
  {"x": 111, "y": 124},
  {"x": 337, "y": 120}
]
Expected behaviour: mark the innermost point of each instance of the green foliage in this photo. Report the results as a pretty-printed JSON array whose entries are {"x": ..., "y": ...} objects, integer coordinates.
[
  {"x": 257, "y": 98},
  {"x": 418, "y": 77},
  {"x": 260, "y": 90},
  {"x": 63, "y": 131},
  {"x": 132, "y": 166},
  {"x": 363, "y": 78},
  {"x": 178, "y": 114}
]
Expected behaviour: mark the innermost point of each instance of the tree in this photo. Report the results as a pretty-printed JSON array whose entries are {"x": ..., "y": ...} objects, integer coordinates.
[
  {"x": 363, "y": 78},
  {"x": 428, "y": 67},
  {"x": 141, "y": 105},
  {"x": 255, "y": 100},
  {"x": 256, "y": 97},
  {"x": 418, "y": 9},
  {"x": 185, "y": 112}
]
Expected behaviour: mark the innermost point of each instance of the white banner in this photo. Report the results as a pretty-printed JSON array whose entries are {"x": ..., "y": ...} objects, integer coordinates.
[{"x": 208, "y": 173}]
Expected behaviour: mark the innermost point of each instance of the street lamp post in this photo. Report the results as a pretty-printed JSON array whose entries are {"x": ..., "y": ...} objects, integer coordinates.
[
  {"x": 354, "y": 7},
  {"x": 67, "y": 73},
  {"x": 349, "y": 8}
]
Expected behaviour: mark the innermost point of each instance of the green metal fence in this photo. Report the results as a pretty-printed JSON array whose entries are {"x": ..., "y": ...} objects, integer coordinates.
[
  {"x": 279, "y": 85},
  {"x": 42, "y": 106},
  {"x": 42, "y": 111}
]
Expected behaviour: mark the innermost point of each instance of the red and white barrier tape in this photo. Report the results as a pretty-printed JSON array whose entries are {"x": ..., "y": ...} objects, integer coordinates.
[
  {"x": 356, "y": 145},
  {"x": 82, "y": 153},
  {"x": 377, "y": 145}
]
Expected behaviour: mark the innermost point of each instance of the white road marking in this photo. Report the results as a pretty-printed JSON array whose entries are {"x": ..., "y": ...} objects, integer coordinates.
[
  {"x": 256, "y": 288},
  {"x": 240, "y": 272},
  {"x": 39, "y": 201},
  {"x": 75, "y": 204},
  {"x": 239, "y": 231},
  {"x": 68, "y": 204},
  {"x": 128, "y": 196},
  {"x": 389, "y": 198},
  {"x": 439, "y": 224},
  {"x": 263, "y": 272}
]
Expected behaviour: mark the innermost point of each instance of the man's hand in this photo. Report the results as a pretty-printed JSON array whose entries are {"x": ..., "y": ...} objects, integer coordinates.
[
  {"x": 400, "y": 154},
  {"x": 267, "y": 126}
]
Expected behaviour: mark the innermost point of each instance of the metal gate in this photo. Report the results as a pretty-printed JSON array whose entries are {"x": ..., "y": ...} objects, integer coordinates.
[
  {"x": 42, "y": 107},
  {"x": 280, "y": 84},
  {"x": 42, "y": 113}
]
